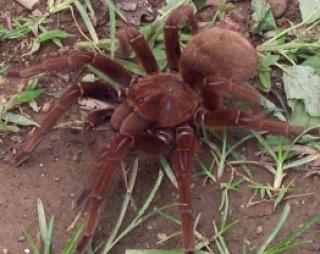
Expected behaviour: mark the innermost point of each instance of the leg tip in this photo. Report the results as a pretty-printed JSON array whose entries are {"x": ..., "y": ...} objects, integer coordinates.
[
  {"x": 83, "y": 244},
  {"x": 20, "y": 158},
  {"x": 13, "y": 74}
]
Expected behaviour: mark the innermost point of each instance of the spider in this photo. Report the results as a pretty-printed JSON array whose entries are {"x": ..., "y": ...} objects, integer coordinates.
[{"x": 158, "y": 113}]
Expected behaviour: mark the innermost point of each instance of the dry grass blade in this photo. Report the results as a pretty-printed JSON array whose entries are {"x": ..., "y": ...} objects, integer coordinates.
[{"x": 87, "y": 21}]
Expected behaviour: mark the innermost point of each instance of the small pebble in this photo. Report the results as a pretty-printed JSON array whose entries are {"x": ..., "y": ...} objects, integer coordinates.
[
  {"x": 75, "y": 157},
  {"x": 162, "y": 236},
  {"x": 269, "y": 34},
  {"x": 27, "y": 251},
  {"x": 21, "y": 239},
  {"x": 5, "y": 251},
  {"x": 259, "y": 229},
  {"x": 41, "y": 165},
  {"x": 57, "y": 179},
  {"x": 46, "y": 107}
]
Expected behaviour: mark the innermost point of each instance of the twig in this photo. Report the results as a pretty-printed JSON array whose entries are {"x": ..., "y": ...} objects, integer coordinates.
[{"x": 75, "y": 221}]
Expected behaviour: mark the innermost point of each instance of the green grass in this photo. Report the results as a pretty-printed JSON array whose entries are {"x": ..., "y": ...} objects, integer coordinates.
[{"x": 10, "y": 120}]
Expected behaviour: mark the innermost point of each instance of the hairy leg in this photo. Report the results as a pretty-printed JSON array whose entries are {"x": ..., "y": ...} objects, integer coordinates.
[
  {"x": 229, "y": 117},
  {"x": 110, "y": 67},
  {"x": 70, "y": 95},
  {"x": 99, "y": 179},
  {"x": 182, "y": 163},
  {"x": 142, "y": 50},
  {"x": 171, "y": 33}
]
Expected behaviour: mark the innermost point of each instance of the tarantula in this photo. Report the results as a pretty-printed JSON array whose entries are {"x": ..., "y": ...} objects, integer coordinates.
[{"x": 158, "y": 113}]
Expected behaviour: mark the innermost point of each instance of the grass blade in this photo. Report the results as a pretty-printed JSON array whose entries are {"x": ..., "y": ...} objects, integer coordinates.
[
  {"x": 295, "y": 234},
  {"x": 275, "y": 230},
  {"x": 125, "y": 204},
  {"x": 162, "y": 252},
  {"x": 87, "y": 21},
  {"x": 72, "y": 243},
  {"x": 112, "y": 24},
  {"x": 51, "y": 35},
  {"x": 168, "y": 170}
]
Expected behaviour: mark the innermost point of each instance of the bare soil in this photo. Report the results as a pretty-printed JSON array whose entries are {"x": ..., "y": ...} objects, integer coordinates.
[{"x": 58, "y": 169}]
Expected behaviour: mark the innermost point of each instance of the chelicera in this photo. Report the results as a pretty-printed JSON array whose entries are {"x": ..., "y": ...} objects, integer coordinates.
[{"x": 158, "y": 113}]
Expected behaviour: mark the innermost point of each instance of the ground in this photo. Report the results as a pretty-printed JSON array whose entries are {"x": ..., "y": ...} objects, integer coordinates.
[{"x": 58, "y": 169}]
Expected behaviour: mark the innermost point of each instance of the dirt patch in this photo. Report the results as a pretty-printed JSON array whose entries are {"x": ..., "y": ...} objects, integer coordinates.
[{"x": 59, "y": 166}]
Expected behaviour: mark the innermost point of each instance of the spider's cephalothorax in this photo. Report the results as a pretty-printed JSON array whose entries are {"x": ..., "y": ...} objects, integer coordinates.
[
  {"x": 157, "y": 113},
  {"x": 164, "y": 99}
]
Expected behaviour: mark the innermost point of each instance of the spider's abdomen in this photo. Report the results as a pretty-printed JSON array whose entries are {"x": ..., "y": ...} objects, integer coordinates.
[
  {"x": 164, "y": 99},
  {"x": 218, "y": 52}
]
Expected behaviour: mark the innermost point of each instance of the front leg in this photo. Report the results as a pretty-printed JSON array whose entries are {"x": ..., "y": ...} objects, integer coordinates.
[
  {"x": 76, "y": 59},
  {"x": 171, "y": 33},
  {"x": 99, "y": 179},
  {"x": 95, "y": 90},
  {"x": 182, "y": 163},
  {"x": 142, "y": 49}
]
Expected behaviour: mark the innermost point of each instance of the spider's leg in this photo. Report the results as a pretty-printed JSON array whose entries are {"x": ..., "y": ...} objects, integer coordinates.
[
  {"x": 110, "y": 67},
  {"x": 100, "y": 177},
  {"x": 222, "y": 86},
  {"x": 231, "y": 117},
  {"x": 142, "y": 49},
  {"x": 92, "y": 121},
  {"x": 95, "y": 90},
  {"x": 212, "y": 100},
  {"x": 171, "y": 34},
  {"x": 182, "y": 163},
  {"x": 150, "y": 143}
]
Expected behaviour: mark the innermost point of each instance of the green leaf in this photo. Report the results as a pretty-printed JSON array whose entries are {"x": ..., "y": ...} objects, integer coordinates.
[
  {"x": 8, "y": 128},
  {"x": 314, "y": 62},
  {"x": 18, "y": 119},
  {"x": 310, "y": 10},
  {"x": 303, "y": 83},
  {"x": 87, "y": 21},
  {"x": 3, "y": 69},
  {"x": 17, "y": 32},
  {"x": 161, "y": 58},
  {"x": 29, "y": 95},
  {"x": 264, "y": 70},
  {"x": 200, "y": 3},
  {"x": 53, "y": 34},
  {"x": 262, "y": 16}
]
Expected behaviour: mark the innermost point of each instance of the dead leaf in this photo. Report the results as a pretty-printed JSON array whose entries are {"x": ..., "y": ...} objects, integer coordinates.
[{"x": 28, "y": 3}]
